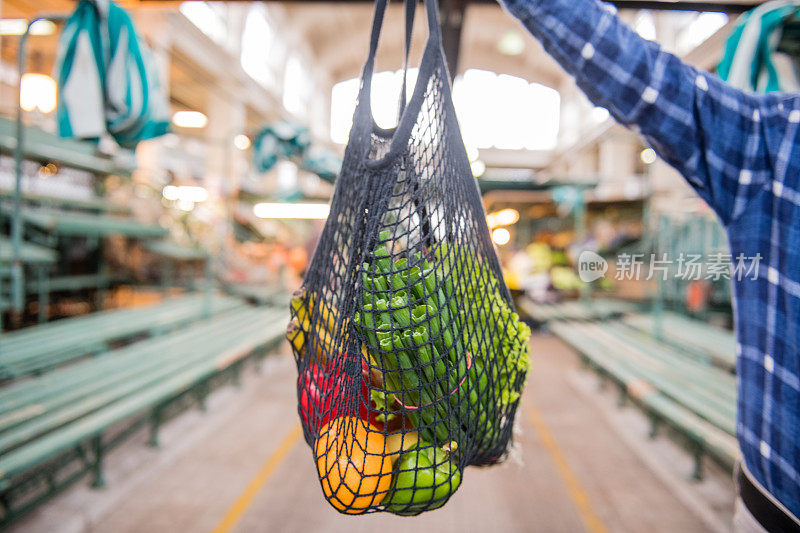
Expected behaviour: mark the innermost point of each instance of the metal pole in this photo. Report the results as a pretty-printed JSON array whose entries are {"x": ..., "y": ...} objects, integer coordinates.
[
  {"x": 44, "y": 294},
  {"x": 17, "y": 272}
]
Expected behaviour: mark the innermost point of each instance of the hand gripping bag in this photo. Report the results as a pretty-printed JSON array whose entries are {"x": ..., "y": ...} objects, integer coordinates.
[{"x": 410, "y": 356}]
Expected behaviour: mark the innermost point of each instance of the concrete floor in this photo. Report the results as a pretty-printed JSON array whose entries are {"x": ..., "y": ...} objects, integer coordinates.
[{"x": 579, "y": 464}]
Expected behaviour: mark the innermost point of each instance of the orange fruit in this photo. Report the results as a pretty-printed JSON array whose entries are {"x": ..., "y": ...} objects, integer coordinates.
[{"x": 353, "y": 463}]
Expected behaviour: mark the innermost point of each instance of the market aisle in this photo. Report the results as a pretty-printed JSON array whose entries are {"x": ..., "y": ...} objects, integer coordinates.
[
  {"x": 527, "y": 493},
  {"x": 249, "y": 463}
]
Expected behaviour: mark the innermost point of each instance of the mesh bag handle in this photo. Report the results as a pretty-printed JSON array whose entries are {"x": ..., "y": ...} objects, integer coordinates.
[
  {"x": 411, "y": 9},
  {"x": 432, "y": 57}
]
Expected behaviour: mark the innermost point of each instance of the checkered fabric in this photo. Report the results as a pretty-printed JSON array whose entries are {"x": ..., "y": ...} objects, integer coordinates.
[{"x": 741, "y": 153}]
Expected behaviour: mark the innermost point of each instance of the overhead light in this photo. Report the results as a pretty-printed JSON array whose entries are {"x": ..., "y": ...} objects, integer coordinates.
[
  {"x": 170, "y": 192},
  {"x": 511, "y": 43},
  {"x": 37, "y": 91},
  {"x": 189, "y": 119},
  {"x": 185, "y": 193},
  {"x": 241, "y": 141},
  {"x": 478, "y": 168},
  {"x": 504, "y": 217},
  {"x": 18, "y": 27},
  {"x": 501, "y": 236},
  {"x": 292, "y": 210},
  {"x": 648, "y": 156},
  {"x": 473, "y": 154}
]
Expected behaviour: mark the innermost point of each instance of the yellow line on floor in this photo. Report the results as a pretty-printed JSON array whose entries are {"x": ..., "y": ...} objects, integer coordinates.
[
  {"x": 588, "y": 515},
  {"x": 242, "y": 503}
]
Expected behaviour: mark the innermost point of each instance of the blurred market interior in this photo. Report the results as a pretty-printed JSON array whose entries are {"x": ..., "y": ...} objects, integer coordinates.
[{"x": 145, "y": 271}]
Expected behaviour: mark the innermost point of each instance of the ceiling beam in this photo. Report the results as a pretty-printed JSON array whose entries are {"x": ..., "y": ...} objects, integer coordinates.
[{"x": 731, "y": 7}]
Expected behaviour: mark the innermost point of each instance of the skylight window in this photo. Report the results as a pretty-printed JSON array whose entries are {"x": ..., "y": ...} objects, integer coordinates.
[
  {"x": 494, "y": 111},
  {"x": 297, "y": 87},
  {"x": 206, "y": 18},
  {"x": 258, "y": 40},
  {"x": 703, "y": 26}
]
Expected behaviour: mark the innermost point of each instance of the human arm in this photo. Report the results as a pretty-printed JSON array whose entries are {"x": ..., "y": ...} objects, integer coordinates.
[{"x": 710, "y": 132}]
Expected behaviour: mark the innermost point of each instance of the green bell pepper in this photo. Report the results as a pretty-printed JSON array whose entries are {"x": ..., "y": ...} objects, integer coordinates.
[{"x": 425, "y": 479}]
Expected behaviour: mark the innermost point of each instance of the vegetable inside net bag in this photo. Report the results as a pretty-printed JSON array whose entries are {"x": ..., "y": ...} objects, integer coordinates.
[{"x": 410, "y": 356}]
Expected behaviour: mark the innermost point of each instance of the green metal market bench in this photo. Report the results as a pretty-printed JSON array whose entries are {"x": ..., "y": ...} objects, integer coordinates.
[
  {"x": 34, "y": 257},
  {"x": 595, "y": 309},
  {"x": 72, "y": 223},
  {"x": 68, "y": 283},
  {"x": 696, "y": 400},
  {"x": 57, "y": 427},
  {"x": 258, "y": 293},
  {"x": 95, "y": 204},
  {"x": 706, "y": 342},
  {"x": 39, "y": 348}
]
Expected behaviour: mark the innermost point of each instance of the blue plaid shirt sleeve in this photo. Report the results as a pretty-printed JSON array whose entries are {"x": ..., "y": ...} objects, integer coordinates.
[
  {"x": 704, "y": 128},
  {"x": 741, "y": 152}
]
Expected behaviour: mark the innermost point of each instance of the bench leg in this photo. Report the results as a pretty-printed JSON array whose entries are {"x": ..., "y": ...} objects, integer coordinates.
[
  {"x": 98, "y": 481},
  {"x": 260, "y": 355},
  {"x": 155, "y": 424},
  {"x": 697, "y": 475},
  {"x": 654, "y": 425},
  {"x": 5, "y": 507},
  {"x": 201, "y": 391},
  {"x": 237, "y": 374},
  {"x": 622, "y": 400}
]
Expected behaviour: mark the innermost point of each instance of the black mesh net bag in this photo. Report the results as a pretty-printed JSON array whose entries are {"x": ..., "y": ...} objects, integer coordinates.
[{"x": 410, "y": 356}]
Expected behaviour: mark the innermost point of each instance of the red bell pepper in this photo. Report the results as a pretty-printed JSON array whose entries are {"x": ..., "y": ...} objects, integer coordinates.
[{"x": 323, "y": 396}]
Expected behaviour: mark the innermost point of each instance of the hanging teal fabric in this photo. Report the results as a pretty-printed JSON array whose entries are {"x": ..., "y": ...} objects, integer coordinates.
[
  {"x": 282, "y": 140},
  {"x": 567, "y": 198},
  {"x": 107, "y": 79},
  {"x": 290, "y": 140},
  {"x": 80, "y": 75},
  {"x": 265, "y": 150},
  {"x": 752, "y": 59}
]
